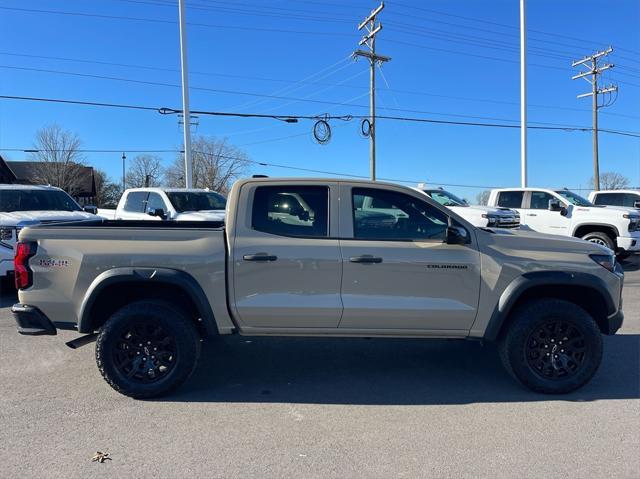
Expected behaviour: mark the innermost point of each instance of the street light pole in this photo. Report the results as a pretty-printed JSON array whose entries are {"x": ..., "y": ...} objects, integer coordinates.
[
  {"x": 185, "y": 97},
  {"x": 124, "y": 157},
  {"x": 523, "y": 94}
]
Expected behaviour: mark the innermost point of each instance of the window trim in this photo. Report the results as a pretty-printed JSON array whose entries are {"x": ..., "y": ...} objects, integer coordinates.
[{"x": 328, "y": 225}]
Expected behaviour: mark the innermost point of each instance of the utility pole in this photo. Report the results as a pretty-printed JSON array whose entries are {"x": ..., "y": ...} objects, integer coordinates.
[
  {"x": 124, "y": 157},
  {"x": 370, "y": 41},
  {"x": 591, "y": 62},
  {"x": 188, "y": 176},
  {"x": 523, "y": 94}
]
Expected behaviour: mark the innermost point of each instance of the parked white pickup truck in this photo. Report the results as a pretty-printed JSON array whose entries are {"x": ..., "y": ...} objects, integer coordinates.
[
  {"x": 480, "y": 216},
  {"x": 624, "y": 198},
  {"x": 563, "y": 212},
  {"x": 179, "y": 204},
  {"x": 22, "y": 205}
]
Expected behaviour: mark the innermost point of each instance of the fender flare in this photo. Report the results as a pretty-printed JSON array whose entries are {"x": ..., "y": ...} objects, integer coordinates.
[
  {"x": 590, "y": 223},
  {"x": 180, "y": 279},
  {"x": 523, "y": 283}
]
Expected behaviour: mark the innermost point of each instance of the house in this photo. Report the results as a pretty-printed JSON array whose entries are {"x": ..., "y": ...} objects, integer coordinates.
[{"x": 23, "y": 172}]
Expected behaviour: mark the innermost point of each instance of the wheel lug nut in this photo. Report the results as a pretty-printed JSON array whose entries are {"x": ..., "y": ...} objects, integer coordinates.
[
  {"x": 548, "y": 354},
  {"x": 562, "y": 350}
]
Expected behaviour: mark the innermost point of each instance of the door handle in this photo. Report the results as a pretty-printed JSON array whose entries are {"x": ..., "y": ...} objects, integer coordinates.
[
  {"x": 365, "y": 258},
  {"x": 260, "y": 257},
  {"x": 532, "y": 214}
]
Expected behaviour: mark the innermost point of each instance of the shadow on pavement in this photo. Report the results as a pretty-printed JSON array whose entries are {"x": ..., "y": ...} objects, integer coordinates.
[
  {"x": 631, "y": 264},
  {"x": 384, "y": 371},
  {"x": 8, "y": 294}
]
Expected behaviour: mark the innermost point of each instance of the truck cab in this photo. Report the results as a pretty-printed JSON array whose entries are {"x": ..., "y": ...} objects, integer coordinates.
[
  {"x": 179, "y": 204},
  {"x": 563, "y": 212},
  {"x": 624, "y": 198}
]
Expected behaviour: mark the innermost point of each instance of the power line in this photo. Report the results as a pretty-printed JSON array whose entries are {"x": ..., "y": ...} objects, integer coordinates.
[
  {"x": 258, "y": 95},
  {"x": 165, "y": 110},
  {"x": 303, "y": 82}
]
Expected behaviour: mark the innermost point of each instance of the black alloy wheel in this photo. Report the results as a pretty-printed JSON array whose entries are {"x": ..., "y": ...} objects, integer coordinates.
[
  {"x": 556, "y": 350},
  {"x": 145, "y": 352}
]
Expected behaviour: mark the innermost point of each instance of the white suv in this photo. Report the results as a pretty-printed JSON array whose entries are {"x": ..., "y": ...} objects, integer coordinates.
[
  {"x": 22, "y": 205},
  {"x": 180, "y": 204},
  {"x": 563, "y": 212},
  {"x": 625, "y": 198},
  {"x": 480, "y": 216}
]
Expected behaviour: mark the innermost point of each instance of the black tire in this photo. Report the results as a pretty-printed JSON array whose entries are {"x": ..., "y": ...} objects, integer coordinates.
[
  {"x": 600, "y": 238},
  {"x": 125, "y": 351},
  {"x": 552, "y": 346}
]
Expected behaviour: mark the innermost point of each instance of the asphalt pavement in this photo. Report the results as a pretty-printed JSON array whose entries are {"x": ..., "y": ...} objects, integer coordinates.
[{"x": 280, "y": 407}]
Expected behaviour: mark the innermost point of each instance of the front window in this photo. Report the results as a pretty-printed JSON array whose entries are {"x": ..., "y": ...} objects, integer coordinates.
[
  {"x": 445, "y": 198},
  {"x": 540, "y": 200},
  {"x": 386, "y": 216},
  {"x": 36, "y": 200},
  {"x": 184, "y": 201},
  {"x": 573, "y": 198}
]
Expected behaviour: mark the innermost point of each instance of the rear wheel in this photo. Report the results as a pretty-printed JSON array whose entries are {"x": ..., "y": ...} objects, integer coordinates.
[
  {"x": 603, "y": 239},
  {"x": 147, "y": 349},
  {"x": 552, "y": 346}
]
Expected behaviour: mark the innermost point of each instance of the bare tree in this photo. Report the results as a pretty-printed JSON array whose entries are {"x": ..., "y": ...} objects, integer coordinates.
[
  {"x": 216, "y": 164},
  {"x": 59, "y": 163},
  {"x": 611, "y": 180},
  {"x": 145, "y": 170},
  {"x": 482, "y": 198},
  {"x": 107, "y": 192}
]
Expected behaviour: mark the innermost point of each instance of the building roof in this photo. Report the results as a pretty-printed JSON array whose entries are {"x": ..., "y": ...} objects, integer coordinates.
[
  {"x": 6, "y": 175},
  {"x": 24, "y": 173}
]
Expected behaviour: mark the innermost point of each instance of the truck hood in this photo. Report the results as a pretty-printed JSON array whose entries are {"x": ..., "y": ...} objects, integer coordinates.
[
  {"x": 489, "y": 210},
  {"x": 18, "y": 218},
  {"x": 604, "y": 211},
  {"x": 522, "y": 240},
  {"x": 206, "y": 215}
]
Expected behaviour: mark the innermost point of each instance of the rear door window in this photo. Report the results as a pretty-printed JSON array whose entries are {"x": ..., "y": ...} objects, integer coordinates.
[
  {"x": 510, "y": 199},
  {"x": 136, "y": 201},
  {"x": 291, "y": 210}
]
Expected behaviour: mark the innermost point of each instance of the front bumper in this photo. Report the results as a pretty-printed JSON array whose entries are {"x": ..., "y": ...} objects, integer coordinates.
[
  {"x": 31, "y": 321},
  {"x": 630, "y": 243}
]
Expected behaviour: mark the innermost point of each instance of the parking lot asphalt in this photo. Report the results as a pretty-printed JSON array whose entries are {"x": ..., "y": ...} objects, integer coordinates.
[{"x": 292, "y": 407}]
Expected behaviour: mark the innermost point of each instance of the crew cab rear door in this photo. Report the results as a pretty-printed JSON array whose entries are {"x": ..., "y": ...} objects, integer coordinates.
[
  {"x": 286, "y": 264},
  {"x": 398, "y": 273}
]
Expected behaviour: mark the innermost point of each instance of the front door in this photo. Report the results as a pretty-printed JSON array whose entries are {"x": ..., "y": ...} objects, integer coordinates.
[
  {"x": 398, "y": 273},
  {"x": 536, "y": 214},
  {"x": 287, "y": 269}
]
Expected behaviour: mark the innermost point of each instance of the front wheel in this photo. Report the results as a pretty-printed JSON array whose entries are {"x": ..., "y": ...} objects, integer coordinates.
[
  {"x": 603, "y": 239},
  {"x": 147, "y": 349},
  {"x": 552, "y": 346}
]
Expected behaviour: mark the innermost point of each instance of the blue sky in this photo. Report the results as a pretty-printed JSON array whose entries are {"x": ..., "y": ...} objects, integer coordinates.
[{"x": 451, "y": 60}]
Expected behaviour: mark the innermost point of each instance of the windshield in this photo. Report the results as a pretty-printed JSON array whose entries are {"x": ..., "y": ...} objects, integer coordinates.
[
  {"x": 574, "y": 199},
  {"x": 196, "y": 201},
  {"x": 445, "y": 198},
  {"x": 36, "y": 200}
]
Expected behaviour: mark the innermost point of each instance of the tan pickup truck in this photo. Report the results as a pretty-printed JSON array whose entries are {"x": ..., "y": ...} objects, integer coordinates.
[{"x": 317, "y": 257}]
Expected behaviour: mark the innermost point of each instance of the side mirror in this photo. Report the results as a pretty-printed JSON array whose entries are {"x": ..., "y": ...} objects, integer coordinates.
[
  {"x": 91, "y": 209},
  {"x": 457, "y": 235},
  {"x": 636, "y": 204},
  {"x": 554, "y": 205},
  {"x": 159, "y": 212},
  {"x": 304, "y": 215}
]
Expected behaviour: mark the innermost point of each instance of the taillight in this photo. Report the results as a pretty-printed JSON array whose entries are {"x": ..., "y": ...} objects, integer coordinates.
[{"x": 23, "y": 274}]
